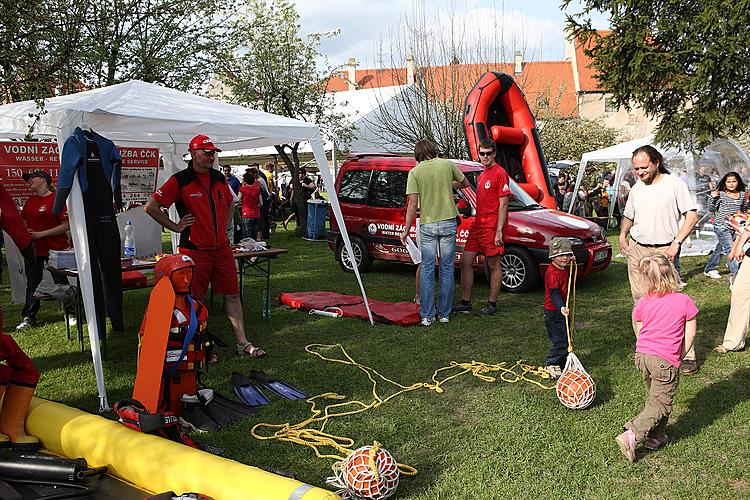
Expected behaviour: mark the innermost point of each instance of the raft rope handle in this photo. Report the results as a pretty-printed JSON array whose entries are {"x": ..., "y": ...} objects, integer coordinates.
[
  {"x": 314, "y": 438},
  {"x": 570, "y": 319}
]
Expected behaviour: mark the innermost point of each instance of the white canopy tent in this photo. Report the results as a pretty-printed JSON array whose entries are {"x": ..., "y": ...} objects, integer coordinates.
[
  {"x": 143, "y": 114},
  {"x": 719, "y": 158}
]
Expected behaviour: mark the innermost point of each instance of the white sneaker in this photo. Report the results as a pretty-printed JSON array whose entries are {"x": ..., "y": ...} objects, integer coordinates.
[
  {"x": 427, "y": 322},
  {"x": 713, "y": 274},
  {"x": 554, "y": 371},
  {"x": 444, "y": 320},
  {"x": 72, "y": 321}
]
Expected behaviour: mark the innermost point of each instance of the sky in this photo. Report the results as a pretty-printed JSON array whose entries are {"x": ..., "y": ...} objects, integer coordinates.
[{"x": 369, "y": 28}]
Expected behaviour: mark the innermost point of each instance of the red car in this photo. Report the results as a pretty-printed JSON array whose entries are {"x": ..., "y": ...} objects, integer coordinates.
[{"x": 372, "y": 193}]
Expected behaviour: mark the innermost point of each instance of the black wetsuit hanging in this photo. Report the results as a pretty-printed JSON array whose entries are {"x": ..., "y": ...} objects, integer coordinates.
[{"x": 98, "y": 164}]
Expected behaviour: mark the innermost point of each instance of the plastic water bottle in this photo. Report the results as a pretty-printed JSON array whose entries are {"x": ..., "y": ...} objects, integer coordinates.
[
  {"x": 266, "y": 310},
  {"x": 129, "y": 240}
]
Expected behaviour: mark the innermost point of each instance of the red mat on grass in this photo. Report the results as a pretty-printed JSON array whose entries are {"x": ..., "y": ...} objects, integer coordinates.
[{"x": 394, "y": 313}]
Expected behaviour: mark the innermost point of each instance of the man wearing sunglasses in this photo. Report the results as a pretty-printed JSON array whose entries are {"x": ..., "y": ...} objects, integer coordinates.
[
  {"x": 205, "y": 206},
  {"x": 486, "y": 233}
]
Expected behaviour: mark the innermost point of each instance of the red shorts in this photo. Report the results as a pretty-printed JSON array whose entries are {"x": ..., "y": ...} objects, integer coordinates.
[
  {"x": 482, "y": 240},
  {"x": 216, "y": 267}
]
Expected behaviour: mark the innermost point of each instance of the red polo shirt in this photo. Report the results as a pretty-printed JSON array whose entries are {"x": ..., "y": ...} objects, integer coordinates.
[
  {"x": 492, "y": 185},
  {"x": 205, "y": 196},
  {"x": 37, "y": 214}
]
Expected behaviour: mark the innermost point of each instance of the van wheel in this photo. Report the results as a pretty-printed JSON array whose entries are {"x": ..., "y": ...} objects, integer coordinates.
[
  {"x": 520, "y": 271},
  {"x": 361, "y": 255}
]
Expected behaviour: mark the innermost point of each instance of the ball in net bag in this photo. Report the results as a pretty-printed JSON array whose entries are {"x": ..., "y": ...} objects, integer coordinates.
[
  {"x": 371, "y": 473},
  {"x": 576, "y": 389}
]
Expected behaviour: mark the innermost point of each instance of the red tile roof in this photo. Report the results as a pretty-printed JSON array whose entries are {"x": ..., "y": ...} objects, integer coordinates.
[
  {"x": 586, "y": 74},
  {"x": 548, "y": 85}
]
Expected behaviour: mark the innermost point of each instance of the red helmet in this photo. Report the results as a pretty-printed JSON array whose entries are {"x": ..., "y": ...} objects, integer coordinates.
[
  {"x": 202, "y": 142},
  {"x": 171, "y": 263}
]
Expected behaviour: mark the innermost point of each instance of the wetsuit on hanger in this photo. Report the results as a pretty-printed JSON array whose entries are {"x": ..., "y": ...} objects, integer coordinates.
[{"x": 99, "y": 165}]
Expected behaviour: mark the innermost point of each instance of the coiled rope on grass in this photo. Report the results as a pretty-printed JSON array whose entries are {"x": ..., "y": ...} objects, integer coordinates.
[{"x": 317, "y": 438}]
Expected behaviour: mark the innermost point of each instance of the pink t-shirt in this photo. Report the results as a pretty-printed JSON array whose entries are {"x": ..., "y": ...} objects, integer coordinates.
[{"x": 663, "y": 329}]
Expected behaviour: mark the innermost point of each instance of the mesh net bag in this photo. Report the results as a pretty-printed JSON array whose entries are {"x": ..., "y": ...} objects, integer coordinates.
[
  {"x": 369, "y": 473},
  {"x": 575, "y": 387}
]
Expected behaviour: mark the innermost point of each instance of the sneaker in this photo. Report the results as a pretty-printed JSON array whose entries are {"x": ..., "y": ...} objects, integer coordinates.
[
  {"x": 427, "y": 322},
  {"x": 554, "y": 371},
  {"x": 462, "y": 308},
  {"x": 28, "y": 322},
  {"x": 444, "y": 320},
  {"x": 713, "y": 274},
  {"x": 72, "y": 321},
  {"x": 627, "y": 443},
  {"x": 487, "y": 310},
  {"x": 689, "y": 367},
  {"x": 654, "y": 444}
]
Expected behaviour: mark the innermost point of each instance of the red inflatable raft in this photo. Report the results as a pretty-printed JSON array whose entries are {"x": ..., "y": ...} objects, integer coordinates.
[{"x": 496, "y": 108}]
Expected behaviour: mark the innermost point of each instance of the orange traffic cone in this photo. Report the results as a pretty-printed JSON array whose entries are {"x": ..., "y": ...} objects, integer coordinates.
[{"x": 13, "y": 417}]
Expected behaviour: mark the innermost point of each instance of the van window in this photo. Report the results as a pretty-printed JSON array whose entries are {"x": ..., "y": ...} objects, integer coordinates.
[
  {"x": 387, "y": 189},
  {"x": 354, "y": 186}
]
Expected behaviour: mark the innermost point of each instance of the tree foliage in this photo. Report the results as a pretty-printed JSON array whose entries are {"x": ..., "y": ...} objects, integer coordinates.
[
  {"x": 569, "y": 138},
  {"x": 685, "y": 62},
  {"x": 273, "y": 68},
  {"x": 172, "y": 42},
  {"x": 64, "y": 46},
  {"x": 38, "y": 42}
]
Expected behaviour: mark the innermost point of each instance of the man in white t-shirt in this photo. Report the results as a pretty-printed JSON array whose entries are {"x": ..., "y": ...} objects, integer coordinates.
[{"x": 652, "y": 217}]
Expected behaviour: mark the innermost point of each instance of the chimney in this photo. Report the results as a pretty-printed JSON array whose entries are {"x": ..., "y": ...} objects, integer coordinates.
[
  {"x": 518, "y": 64},
  {"x": 352, "y": 73},
  {"x": 409, "y": 70}
]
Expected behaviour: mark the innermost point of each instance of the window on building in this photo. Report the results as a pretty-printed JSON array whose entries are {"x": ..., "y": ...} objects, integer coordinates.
[
  {"x": 354, "y": 186},
  {"x": 610, "y": 106},
  {"x": 387, "y": 189}
]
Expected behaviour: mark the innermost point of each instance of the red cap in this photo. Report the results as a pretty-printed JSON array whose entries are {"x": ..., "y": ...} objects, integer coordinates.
[{"x": 202, "y": 142}]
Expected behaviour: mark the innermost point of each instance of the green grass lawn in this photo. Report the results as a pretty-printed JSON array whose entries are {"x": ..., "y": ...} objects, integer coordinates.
[{"x": 477, "y": 439}]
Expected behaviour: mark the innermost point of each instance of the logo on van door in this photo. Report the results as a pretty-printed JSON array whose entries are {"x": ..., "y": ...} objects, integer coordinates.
[{"x": 372, "y": 228}]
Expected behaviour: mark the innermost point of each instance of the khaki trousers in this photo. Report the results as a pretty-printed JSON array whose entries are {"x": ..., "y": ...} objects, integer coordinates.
[
  {"x": 638, "y": 287},
  {"x": 661, "y": 380},
  {"x": 739, "y": 311}
]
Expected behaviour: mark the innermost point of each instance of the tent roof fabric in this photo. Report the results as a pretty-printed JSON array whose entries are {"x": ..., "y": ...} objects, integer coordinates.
[{"x": 140, "y": 112}]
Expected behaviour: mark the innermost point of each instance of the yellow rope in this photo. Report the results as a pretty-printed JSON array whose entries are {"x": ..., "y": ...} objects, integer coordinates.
[
  {"x": 569, "y": 320},
  {"x": 374, "y": 449},
  {"x": 300, "y": 433}
]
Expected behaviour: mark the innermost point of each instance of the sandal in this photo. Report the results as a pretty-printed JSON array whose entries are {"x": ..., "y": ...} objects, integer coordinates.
[
  {"x": 721, "y": 349},
  {"x": 250, "y": 350}
]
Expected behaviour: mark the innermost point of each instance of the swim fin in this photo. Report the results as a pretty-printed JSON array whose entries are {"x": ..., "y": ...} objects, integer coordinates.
[
  {"x": 247, "y": 392},
  {"x": 234, "y": 410},
  {"x": 278, "y": 387}
]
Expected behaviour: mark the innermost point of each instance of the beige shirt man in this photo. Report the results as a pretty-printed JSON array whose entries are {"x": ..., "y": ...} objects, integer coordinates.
[{"x": 652, "y": 217}]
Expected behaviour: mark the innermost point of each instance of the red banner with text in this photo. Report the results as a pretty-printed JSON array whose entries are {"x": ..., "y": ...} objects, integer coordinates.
[{"x": 138, "y": 179}]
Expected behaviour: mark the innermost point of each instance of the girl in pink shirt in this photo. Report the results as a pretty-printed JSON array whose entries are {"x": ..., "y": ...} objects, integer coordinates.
[{"x": 665, "y": 329}]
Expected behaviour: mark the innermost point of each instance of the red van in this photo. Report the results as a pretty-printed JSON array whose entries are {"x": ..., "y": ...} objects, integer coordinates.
[{"x": 372, "y": 193}]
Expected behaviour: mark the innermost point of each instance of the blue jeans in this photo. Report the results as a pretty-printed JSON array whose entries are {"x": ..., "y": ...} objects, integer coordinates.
[
  {"x": 440, "y": 234},
  {"x": 725, "y": 235}
]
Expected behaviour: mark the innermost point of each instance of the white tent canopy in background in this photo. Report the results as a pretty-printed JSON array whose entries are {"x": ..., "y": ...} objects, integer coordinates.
[
  {"x": 360, "y": 110},
  {"x": 720, "y": 157},
  {"x": 143, "y": 114}
]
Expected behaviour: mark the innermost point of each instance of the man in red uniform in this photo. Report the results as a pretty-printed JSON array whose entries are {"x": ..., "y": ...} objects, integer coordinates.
[
  {"x": 486, "y": 234},
  {"x": 205, "y": 206}
]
